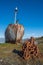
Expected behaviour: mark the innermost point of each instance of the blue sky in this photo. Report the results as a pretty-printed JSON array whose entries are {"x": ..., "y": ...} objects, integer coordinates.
[{"x": 30, "y": 15}]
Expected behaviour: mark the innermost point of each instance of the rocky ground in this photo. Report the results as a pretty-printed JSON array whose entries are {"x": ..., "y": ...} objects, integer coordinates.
[
  {"x": 10, "y": 54},
  {"x": 19, "y": 61}
]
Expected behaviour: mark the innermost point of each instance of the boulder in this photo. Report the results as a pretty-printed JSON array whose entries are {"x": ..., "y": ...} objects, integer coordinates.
[{"x": 14, "y": 33}]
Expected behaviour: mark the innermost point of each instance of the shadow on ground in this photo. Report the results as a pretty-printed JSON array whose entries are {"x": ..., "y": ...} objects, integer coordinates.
[
  {"x": 18, "y": 52},
  {"x": 31, "y": 61}
]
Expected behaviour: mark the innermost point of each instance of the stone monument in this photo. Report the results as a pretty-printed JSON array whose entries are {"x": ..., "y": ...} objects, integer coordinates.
[{"x": 14, "y": 32}]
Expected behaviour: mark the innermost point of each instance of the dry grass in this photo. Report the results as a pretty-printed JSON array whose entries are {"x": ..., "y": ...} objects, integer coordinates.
[{"x": 6, "y": 51}]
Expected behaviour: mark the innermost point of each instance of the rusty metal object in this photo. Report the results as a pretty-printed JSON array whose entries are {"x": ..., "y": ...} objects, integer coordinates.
[
  {"x": 30, "y": 49},
  {"x": 14, "y": 33}
]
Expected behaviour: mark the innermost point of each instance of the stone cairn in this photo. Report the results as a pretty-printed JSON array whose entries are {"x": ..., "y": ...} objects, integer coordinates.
[{"x": 30, "y": 49}]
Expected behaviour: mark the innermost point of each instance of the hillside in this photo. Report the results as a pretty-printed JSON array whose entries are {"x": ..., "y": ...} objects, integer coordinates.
[
  {"x": 39, "y": 39},
  {"x": 10, "y": 54}
]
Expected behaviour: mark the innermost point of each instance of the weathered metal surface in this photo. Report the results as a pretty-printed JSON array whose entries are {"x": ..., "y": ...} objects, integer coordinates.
[{"x": 14, "y": 32}]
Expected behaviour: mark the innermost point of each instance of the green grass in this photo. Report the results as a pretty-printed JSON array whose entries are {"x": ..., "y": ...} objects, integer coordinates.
[
  {"x": 40, "y": 47},
  {"x": 7, "y": 48},
  {"x": 6, "y": 51}
]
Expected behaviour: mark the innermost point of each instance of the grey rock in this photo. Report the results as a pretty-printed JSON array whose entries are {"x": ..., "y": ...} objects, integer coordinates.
[{"x": 14, "y": 32}]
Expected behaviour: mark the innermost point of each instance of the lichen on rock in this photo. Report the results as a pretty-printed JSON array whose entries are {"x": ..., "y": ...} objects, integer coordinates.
[{"x": 14, "y": 33}]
